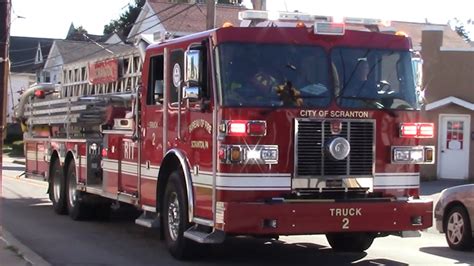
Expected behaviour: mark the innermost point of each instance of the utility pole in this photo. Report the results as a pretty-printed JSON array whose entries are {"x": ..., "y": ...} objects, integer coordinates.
[
  {"x": 259, "y": 4},
  {"x": 211, "y": 14},
  {"x": 4, "y": 67}
]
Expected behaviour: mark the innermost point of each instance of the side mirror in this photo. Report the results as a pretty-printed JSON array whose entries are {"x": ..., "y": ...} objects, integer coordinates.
[
  {"x": 192, "y": 67},
  {"x": 191, "y": 93},
  {"x": 417, "y": 64}
]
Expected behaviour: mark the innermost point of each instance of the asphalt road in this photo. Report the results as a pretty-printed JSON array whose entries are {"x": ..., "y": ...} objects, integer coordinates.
[{"x": 26, "y": 212}]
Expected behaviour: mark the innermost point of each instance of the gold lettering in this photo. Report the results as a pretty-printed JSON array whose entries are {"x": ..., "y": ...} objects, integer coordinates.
[
  {"x": 199, "y": 144},
  {"x": 200, "y": 123}
]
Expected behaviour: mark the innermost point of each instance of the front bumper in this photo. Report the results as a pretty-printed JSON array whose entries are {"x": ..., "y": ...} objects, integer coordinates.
[{"x": 311, "y": 217}]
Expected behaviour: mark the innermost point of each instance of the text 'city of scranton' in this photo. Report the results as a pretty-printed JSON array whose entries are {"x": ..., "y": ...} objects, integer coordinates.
[{"x": 334, "y": 114}]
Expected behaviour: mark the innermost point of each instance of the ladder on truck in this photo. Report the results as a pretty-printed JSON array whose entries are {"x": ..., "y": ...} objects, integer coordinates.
[{"x": 78, "y": 107}]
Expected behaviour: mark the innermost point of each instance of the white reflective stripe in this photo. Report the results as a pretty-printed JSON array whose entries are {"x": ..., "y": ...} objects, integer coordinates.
[
  {"x": 248, "y": 174},
  {"x": 254, "y": 181},
  {"x": 130, "y": 168},
  {"x": 202, "y": 180},
  {"x": 83, "y": 161},
  {"x": 31, "y": 155},
  {"x": 244, "y": 181},
  {"x": 396, "y": 180},
  {"x": 149, "y": 178},
  {"x": 151, "y": 173},
  {"x": 110, "y": 165},
  {"x": 255, "y": 188}
]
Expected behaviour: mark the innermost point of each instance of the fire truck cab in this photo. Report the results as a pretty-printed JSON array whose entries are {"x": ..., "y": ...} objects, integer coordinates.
[{"x": 300, "y": 125}]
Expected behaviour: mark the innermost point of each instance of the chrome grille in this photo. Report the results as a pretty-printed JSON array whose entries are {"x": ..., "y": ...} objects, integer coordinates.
[{"x": 312, "y": 160}]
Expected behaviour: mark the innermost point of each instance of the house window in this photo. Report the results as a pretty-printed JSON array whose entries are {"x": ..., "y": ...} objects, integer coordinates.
[
  {"x": 46, "y": 77},
  {"x": 454, "y": 135}
]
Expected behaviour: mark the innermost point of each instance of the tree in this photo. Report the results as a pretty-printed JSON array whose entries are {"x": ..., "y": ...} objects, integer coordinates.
[
  {"x": 124, "y": 24},
  {"x": 460, "y": 28}
]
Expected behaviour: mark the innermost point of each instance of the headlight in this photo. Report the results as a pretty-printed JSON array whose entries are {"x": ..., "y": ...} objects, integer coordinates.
[
  {"x": 252, "y": 154},
  {"x": 413, "y": 154}
]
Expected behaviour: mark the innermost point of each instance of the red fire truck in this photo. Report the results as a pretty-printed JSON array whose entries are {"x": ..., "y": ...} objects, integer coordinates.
[{"x": 282, "y": 127}]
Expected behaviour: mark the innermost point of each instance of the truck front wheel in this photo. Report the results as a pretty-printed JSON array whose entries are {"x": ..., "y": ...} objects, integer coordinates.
[
  {"x": 350, "y": 242},
  {"x": 57, "y": 188},
  {"x": 175, "y": 217}
]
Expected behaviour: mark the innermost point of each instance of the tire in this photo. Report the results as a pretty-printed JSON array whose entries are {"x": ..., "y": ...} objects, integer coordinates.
[
  {"x": 77, "y": 209},
  {"x": 175, "y": 218},
  {"x": 57, "y": 188},
  {"x": 350, "y": 242},
  {"x": 458, "y": 229}
]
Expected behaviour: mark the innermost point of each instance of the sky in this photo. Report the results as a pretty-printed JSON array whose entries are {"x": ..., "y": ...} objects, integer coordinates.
[{"x": 52, "y": 18}]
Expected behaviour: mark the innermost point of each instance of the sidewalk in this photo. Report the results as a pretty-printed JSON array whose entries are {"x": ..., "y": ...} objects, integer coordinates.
[
  {"x": 13, "y": 159},
  {"x": 12, "y": 251}
]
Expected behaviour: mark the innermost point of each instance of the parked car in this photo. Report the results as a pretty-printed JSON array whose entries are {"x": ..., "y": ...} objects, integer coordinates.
[{"x": 454, "y": 215}]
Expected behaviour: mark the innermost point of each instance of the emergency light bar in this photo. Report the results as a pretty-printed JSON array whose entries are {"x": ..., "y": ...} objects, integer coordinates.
[
  {"x": 298, "y": 16},
  {"x": 281, "y": 16}
]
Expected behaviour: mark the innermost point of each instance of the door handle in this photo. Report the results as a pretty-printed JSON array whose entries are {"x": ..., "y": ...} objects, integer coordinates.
[{"x": 442, "y": 151}]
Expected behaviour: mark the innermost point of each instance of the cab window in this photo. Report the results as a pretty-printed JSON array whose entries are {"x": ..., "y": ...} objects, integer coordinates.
[{"x": 155, "y": 82}]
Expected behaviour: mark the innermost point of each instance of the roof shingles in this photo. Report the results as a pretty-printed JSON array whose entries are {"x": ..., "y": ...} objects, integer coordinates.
[
  {"x": 72, "y": 51},
  {"x": 190, "y": 18},
  {"x": 23, "y": 50}
]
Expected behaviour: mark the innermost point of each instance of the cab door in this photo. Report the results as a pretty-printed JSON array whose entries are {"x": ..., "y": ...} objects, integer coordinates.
[
  {"x": 190, "y": 120},
  {"x": 199, "y": 128},
  {"x": 152, "y": 127}
]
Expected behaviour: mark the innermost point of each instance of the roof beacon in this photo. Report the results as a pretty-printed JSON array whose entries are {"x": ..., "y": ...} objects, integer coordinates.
[{"x": 326, "y": 25}]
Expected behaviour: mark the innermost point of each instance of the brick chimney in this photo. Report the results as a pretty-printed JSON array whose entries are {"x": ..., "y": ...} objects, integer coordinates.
[
  {"x": 259, "y": 4},
  {"x": 431, "y": 42}
]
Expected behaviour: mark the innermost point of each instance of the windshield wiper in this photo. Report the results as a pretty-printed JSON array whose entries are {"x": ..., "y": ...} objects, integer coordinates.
[{"x": 372, "y": 102}]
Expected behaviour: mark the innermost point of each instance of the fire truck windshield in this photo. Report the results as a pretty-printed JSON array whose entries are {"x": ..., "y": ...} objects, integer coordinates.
[
  {"x": 266, "y": 75},
  {"x": 286, "y": 75},
  {"x": 373, "y": 78}
]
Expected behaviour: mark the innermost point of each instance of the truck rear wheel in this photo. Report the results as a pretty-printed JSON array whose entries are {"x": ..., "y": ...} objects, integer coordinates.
[
  {"x": 175, "y": 217},
  {"x": 57, "y": 188},
  {"x": 76, "y": 207},
  {"x": 350, "y": 242}
]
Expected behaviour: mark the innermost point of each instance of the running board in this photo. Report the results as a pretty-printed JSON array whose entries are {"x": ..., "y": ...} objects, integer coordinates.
[
  {"x": 148, "y": 219},
  {"x": 195, "y": 233}
]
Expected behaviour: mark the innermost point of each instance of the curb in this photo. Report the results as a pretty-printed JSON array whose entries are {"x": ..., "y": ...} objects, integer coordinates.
[{"x": 29, "y": 255}]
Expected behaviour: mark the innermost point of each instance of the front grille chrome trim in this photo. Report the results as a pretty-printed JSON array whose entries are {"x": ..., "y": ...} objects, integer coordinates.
[{"x": 310, "y": 161}]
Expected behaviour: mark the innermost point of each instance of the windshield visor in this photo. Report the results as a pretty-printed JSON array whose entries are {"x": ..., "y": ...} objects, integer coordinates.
[
  {"x": 373, "y": 79},
  {"x": 273, "y": 75}
]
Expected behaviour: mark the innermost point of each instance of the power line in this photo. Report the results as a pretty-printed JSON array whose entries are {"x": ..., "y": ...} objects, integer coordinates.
[
  {"x": 137, "y": 22},
  {"x": 138, "y": 33},
  {"x": 26, "y": 62},
  {"x": 28, "y": 49}
]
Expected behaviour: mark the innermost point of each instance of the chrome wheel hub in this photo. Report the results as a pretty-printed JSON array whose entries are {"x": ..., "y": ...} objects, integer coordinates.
[
  {"x": 455, "y": 228},
  {"x": 57, "y": 185},
  {"x": 173, "y": 216},
  {"x": 72, "y": 193}
]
